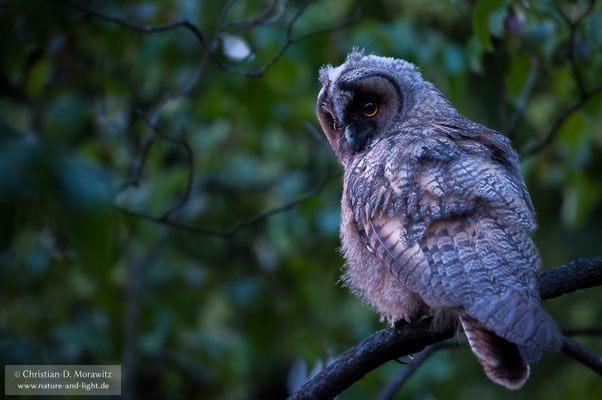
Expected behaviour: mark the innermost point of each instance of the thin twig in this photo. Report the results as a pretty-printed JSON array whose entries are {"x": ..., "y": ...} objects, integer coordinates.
[
  {"x": 573, "y": 25},
  {"x": 584, "y": 94},
  {"x": 521, "y": 104},
  {"x": 583, "y": 332},
  {"x": 583, "y": 355},
  {"x": 290, "y": 41},
  {"x": 261, "y": 18},
  {"x": 140, "y": 161},
  {"x": 229, "y": 232},
  {"x": 410, "y": 369},
  {"x": 315, "y": 132},
  {"x": 186, "y": 24},
  {"x": 181, "y": 202},
  {"x": 555, "y": 128}
]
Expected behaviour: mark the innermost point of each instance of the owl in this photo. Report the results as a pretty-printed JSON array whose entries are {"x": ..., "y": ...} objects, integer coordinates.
[{"x": 435, "y": 214}]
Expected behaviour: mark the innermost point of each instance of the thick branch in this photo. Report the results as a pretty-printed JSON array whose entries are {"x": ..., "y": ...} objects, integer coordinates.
[
  {"x": 583, "y": 273},
  {"x": 380, "y": 347},
  {"x": 388, "y": 344}
]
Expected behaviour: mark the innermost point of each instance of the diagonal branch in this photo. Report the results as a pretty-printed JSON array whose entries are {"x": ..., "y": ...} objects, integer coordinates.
[
  {"x": 555, "y": 128},
  {"x": 388, "y": 344},
  {"x": 181, "y": 202},
  {"x": 584, "y": 94},
  {"x": 186, "y": 24},
  {"x": 264, "y": 17},
  {"x": 234, "y": 229},
  {"x": 409, "y": 370},
  {"x": 573, "y": 25},
  {"x": 378, "y": 348},
  {"x": 522, "y": 102},
  {"x": 583, "y": 355}
]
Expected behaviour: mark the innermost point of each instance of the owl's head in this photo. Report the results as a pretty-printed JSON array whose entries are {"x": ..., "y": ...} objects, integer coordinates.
[{"x": 367, "y": 98}]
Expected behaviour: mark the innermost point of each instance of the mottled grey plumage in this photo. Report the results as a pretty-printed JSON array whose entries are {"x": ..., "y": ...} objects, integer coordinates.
[{"x": 435, "y": 216}]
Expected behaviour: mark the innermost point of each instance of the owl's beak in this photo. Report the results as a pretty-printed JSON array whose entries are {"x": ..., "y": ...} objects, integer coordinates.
[{"x": 355, "y": 137}]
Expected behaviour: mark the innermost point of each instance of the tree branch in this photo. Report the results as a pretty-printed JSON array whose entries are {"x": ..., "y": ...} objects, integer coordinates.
[
  {"x": 409, "y": 370},
  {"x": 521, "y": 104},
  {"x": 555, "y": 128},
  {"x": 583, "y": 273},
  {"x": 181, "y": 202},
  {"x": 229, "y": 232},
  {"x": 572, "y": 349},
  {"x": 584, "y": 94},
  {"x": 378, "y": 348},
  {"x": 572, "y": 25},
  {"x": 583, "y": 355},
  {"x": 261, "y": 18},
  {"x": 583, "y": 332},
  {"x": 186, "y": 24},
  {"x": 388, "y": 344}
]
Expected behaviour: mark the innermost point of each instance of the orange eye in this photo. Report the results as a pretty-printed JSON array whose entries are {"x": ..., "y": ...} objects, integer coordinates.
[{"x": 369, "y": 109}]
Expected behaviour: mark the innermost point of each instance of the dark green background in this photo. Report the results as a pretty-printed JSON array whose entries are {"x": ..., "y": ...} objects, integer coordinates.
[{"x": 201, "y": 316}]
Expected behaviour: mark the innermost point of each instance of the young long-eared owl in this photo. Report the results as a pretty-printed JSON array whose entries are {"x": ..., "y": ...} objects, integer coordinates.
[{"x": 436, "y": 217}]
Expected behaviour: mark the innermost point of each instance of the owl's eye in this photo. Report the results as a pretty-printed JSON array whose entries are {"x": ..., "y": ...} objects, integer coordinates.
[{"x": 369, "y": 109}]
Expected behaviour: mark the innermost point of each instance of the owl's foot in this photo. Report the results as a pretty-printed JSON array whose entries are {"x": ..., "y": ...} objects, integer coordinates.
[{"x": 400, "y": 323}]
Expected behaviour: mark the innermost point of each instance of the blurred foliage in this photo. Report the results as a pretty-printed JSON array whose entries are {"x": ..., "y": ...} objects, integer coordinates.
[{"x": 200, "y": 316}]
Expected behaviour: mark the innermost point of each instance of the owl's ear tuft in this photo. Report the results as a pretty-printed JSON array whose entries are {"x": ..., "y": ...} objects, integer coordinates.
[
  {"x": 356, "y": 55},
  {"x": 324, "y": 79}
]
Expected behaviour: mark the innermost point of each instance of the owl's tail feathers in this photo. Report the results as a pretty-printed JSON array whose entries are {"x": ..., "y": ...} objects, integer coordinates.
[
  {"x": 520, "y": 320},
  {"x": 501, "y": 360}
]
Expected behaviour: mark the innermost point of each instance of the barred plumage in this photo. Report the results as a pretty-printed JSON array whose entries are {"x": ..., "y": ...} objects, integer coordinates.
[{"x": 435, "y": 213}]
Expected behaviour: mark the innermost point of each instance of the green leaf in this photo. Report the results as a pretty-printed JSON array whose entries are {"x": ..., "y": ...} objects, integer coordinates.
[
  {"x": 517, "y": 76},
  {"x": 593, "y": 31},
  {"x": 580, "y": 197},
  {"x": 474, "y": 51},
  {"x": 454, "y": 59},
  {"x": 38, "y": 76},
  {"x": 480, "y": 20}
]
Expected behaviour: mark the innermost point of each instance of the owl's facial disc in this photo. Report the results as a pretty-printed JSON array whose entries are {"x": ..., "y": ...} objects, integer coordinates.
[{"x": 373, "y": 99}]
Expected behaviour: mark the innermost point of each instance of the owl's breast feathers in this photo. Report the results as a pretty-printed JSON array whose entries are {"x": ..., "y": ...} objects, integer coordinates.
[{"x": 449, "y": 214}]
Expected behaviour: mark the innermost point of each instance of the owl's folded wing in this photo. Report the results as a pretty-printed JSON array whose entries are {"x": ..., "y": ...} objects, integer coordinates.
[
  {"x": 453, "y": 223},
  {"x": 436, "y": 178}
]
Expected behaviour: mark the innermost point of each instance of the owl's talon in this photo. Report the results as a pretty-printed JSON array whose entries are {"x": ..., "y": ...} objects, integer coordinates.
[
  {"x": 397, "y": 360},
  {"x": 400, "y": 323}
]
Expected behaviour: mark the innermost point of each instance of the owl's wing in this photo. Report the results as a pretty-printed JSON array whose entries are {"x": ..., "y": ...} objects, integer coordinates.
[{"x": 451, "y": 218}]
